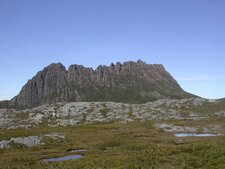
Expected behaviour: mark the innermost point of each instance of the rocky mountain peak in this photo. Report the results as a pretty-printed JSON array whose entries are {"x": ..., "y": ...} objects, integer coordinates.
[{"x": 128, "y": 82}]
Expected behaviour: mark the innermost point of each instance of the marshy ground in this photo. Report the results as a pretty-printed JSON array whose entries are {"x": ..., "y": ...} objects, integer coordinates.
[
  {"x": 116, "y": 145},
  {"x": 146, "y": 141}
]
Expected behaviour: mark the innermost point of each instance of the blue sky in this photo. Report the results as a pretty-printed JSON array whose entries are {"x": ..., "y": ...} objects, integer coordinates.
[{"x": 186, "y": 36}]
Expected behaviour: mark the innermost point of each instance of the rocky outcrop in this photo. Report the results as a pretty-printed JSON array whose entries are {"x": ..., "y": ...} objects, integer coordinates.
[
  {"x": 29, "y": 141},
  {"x": 134, "y": 82},
  {"x": 78, "y": 113}
]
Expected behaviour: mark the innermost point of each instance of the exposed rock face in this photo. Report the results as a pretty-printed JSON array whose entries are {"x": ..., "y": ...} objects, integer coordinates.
[
  {"x": 49, "y": 85},
  {"x": 128, "y": 82}
]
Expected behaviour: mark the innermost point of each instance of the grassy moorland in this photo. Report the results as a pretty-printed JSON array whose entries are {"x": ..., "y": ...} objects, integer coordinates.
[{"x": 116, "y": 145}]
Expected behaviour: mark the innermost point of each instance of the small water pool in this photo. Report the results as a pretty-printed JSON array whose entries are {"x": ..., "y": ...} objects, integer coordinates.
[
  {"x": 196, "y": 135},
  {"x": 65, "y": 158},
  {"x": 78, "y": 150}
]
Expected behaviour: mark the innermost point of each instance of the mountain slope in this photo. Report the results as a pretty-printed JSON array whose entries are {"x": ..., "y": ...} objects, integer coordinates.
[{"x": 133, "y": 82}]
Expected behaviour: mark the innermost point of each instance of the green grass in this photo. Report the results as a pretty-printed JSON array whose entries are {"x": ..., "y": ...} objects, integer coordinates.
[{"x": 115, "y": 145}]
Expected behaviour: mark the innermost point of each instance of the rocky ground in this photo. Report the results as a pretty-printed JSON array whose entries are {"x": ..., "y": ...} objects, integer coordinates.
[
  {"x": 162, "y": 112},
  {"x": 76, "y": 113},
  {"x": 29, "y": 141}
]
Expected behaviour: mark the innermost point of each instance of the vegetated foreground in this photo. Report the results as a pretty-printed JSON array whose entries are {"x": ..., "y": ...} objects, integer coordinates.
[{"x": 145, "y": 139}]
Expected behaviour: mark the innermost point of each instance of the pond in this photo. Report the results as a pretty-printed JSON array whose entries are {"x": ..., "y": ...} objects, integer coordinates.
[
  {"x": 77, "y": 150},
  {"x": 65, "y": 158},
  {"x": 196, "y": 135}
]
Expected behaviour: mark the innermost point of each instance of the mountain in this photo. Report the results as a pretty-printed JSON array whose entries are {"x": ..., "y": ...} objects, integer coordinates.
[
  {"x": 132, "y": 82},
  {"x": 223, "y": 99}
]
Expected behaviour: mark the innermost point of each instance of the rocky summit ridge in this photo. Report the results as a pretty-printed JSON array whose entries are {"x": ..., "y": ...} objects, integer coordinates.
[{"x": 131, "y": 82}]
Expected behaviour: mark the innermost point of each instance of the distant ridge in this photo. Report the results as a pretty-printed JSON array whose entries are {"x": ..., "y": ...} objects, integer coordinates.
[{"x": 133, "y": 82}]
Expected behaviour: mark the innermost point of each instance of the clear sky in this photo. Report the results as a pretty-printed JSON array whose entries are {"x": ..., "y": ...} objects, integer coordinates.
[{"x": 186, "y": 36}]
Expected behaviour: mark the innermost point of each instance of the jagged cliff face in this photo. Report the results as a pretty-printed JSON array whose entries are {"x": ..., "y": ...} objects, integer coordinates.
[{"x": 133, "y": 82}]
